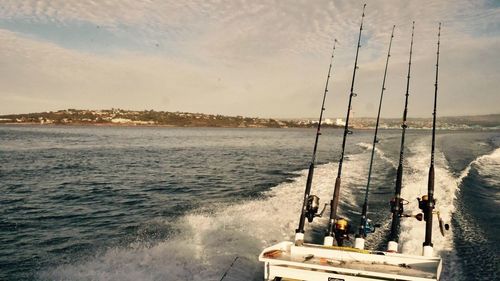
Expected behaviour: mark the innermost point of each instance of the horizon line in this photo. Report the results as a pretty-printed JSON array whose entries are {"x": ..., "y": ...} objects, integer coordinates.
[{"x": 289, "y": 118}]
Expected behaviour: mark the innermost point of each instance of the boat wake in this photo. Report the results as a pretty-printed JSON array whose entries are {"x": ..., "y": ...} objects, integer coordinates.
[
  {"x": 415, "y": 185},
  {"x": 447, "y": 186},
  {"x": 487, "y": 165},
  {"x": 379, "y": 152},
  {"x": 477, "y": 218},
  {"x": 205, "y": 242}
]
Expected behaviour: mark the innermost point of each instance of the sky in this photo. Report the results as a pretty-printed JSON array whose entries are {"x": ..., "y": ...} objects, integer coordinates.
[{"x": 257, "y": 58}]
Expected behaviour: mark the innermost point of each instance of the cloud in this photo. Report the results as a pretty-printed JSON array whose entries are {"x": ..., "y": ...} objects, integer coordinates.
[
  {"x": 243, "y": 57},
  {"x": 37, "y": 70}
]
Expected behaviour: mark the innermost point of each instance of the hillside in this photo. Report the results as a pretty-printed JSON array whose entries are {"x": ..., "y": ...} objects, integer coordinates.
[
  {"x": 186, "y": 119},
  {"x": 147, "y": 117}
]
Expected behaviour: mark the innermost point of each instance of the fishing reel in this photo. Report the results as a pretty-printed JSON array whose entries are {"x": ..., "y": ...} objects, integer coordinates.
[
  {"x": 341, "y": 231},
  {"x": 424, "y": 204},
  {"x": 400, "y": 209},
  {"x": 368, "y": 227},
  {"x": 312, "y": 207}
]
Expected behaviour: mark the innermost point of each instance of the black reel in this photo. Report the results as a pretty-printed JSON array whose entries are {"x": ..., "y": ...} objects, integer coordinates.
[
  {"x": 400, "y": 210},
  {"x": 312, "y": 208},
  {"x": 424, "y": 204}
]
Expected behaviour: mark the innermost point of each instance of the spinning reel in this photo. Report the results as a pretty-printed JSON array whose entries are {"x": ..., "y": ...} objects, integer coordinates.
[
  {"x": 400, "y": 209},
  {"x": 423, "y": 204},
  {"x": 312, "y": 207},
  {"x": 368, "y": 227},
  {"x": 341, "y": 231}
]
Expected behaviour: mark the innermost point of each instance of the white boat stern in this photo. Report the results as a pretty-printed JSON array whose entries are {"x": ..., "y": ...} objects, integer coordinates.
[{"x": 317, "y": 263}]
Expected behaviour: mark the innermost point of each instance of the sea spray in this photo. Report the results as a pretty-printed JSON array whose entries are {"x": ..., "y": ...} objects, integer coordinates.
[
  {"x": 207, "y": 240},
  {"x": 412, "y": 230},
  {"x": 379, "y": 152}
]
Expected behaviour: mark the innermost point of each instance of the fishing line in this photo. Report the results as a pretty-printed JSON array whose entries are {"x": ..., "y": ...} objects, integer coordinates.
[
  {"x": 338, "y": 228},
  {"x": 396, "y": 202},
  {"x": 310, "y": 203},
  {"x": 365, "y": 227},
  {"x": 429, "y": 207}
]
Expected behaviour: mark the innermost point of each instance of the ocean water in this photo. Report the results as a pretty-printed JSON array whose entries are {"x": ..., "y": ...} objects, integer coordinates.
[{"x": 118, "y": 203}]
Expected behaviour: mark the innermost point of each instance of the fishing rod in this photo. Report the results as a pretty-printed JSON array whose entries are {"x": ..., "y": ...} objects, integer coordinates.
[
  {"x": 310, "y": 204},
  {"x": 397, "y": 202},
  {"x": 230, "y": 266},
  {"x": 429, "y": 206},
  {"x": 339, "y": 228},
  {"x": 365, "y": 227}
]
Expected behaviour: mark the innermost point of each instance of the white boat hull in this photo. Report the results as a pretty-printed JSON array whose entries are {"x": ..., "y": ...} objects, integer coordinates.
[{"x": 317, "y": 263}]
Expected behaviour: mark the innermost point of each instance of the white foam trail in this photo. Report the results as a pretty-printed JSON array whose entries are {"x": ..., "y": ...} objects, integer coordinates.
[
  {"x": 415, "y": 185},
  {"x": 207, "y": 242},
  {"x": 379, "y": 152},
  {"x": 488, "y": 165},
  {"x": 354, "y": 174}
]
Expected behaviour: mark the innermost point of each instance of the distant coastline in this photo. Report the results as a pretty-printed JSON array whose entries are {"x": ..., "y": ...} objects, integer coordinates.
[{"x": 121, "y": 117}]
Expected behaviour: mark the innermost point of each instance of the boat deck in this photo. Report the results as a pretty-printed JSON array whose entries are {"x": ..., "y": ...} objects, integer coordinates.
[{"x": 348, "y": 262}]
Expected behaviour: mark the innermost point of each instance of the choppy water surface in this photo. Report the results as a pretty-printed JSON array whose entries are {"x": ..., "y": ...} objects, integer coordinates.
[{"x": 91, "y": 203}]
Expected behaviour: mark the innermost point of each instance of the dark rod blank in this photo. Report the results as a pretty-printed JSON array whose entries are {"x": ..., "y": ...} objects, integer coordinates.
[
  {"x": 362, "y": 227},
  {"x": 310, "y": 174},
  {"x": 335, "y": 200},
  {"x": 430, "y": 184},
  {"x": 394, "y": 235}
]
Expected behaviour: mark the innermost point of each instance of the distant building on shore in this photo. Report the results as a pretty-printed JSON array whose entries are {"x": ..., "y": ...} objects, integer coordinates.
[{"x": 339, "y": 122}]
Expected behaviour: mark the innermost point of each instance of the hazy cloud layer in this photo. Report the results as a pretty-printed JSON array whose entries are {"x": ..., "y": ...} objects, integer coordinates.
[{"x": 254, "y": 58}]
